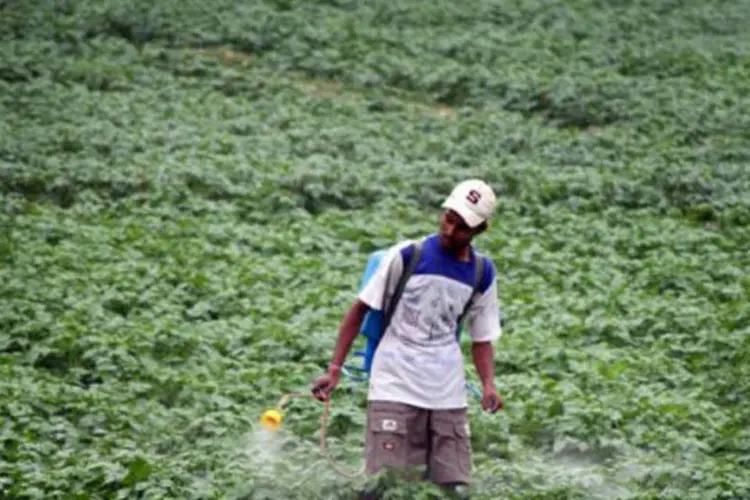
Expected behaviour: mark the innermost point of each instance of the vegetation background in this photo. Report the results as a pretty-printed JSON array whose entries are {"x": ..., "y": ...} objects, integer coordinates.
[{"x": 189, "y": 191}]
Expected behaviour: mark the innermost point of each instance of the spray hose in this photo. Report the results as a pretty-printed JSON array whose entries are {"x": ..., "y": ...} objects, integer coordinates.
[{"x": 272, "y": 419}]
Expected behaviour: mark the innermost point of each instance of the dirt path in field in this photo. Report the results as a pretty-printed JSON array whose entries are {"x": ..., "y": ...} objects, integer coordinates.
[{"x": 319, "y": 87}]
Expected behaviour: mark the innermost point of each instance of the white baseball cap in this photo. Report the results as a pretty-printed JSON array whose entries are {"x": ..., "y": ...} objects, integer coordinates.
[{"x": 473, "y": 200}]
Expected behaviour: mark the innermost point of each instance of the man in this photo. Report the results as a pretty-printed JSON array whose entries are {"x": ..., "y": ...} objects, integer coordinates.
[{"x": 417, "y": 408}]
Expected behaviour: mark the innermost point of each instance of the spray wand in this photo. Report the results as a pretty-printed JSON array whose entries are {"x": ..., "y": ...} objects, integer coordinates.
[{"x": 273, "y": 418}]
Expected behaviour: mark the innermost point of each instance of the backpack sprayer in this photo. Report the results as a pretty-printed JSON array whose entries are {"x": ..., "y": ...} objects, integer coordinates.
[{"x": 372, "y": 328}]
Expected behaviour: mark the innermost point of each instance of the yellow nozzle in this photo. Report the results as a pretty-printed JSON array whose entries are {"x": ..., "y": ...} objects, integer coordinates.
[{"x": 271, "y": 419}]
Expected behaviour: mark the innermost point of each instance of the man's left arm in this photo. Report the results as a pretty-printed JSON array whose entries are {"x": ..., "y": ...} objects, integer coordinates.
[
  {"x": 483, "y": 354},
  {"x": 484, "y": 328}
]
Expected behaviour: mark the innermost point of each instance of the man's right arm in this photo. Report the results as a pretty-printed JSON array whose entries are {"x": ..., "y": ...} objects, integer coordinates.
[{"x": 348, "y": 331}]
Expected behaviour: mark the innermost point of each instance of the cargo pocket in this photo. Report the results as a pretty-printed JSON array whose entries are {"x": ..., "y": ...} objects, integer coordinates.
[
  {"x": 388, "y": 441},
  {"x": 448, "y": 460}
]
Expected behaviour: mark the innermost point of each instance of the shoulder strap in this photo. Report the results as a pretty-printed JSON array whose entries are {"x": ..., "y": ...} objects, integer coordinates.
[
  {"x": 405, "y": 275},
  {"x": 477, "y": 282}
]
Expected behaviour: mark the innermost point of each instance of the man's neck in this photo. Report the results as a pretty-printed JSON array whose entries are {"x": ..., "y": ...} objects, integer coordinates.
[{"x": 462, "y": 254}]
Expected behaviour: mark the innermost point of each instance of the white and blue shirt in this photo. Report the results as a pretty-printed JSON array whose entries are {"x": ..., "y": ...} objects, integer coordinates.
[{"x": 418, "y": 361}]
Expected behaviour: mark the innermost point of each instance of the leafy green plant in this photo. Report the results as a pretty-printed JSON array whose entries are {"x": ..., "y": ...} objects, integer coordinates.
[{"x": 189, "y": 191}]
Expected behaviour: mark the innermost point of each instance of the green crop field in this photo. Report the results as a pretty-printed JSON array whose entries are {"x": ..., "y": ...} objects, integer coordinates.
[{"x": 189, "y": 192}]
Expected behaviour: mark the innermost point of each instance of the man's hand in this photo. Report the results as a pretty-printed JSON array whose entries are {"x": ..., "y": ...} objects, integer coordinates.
[
  {"x": 324, "y": 385},
  {"x": 491, "y": 400}
]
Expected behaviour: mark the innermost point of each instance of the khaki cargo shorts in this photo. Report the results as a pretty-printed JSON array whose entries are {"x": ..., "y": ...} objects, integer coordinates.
[{"x": 404, "y": 437}]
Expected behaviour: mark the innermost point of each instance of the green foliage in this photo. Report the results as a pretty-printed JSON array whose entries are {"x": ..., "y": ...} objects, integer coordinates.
[{"x": 189, "y": 191}]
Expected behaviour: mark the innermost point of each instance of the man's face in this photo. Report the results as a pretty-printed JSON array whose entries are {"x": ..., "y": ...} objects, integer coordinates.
[{"x": 454, "y": 232}]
